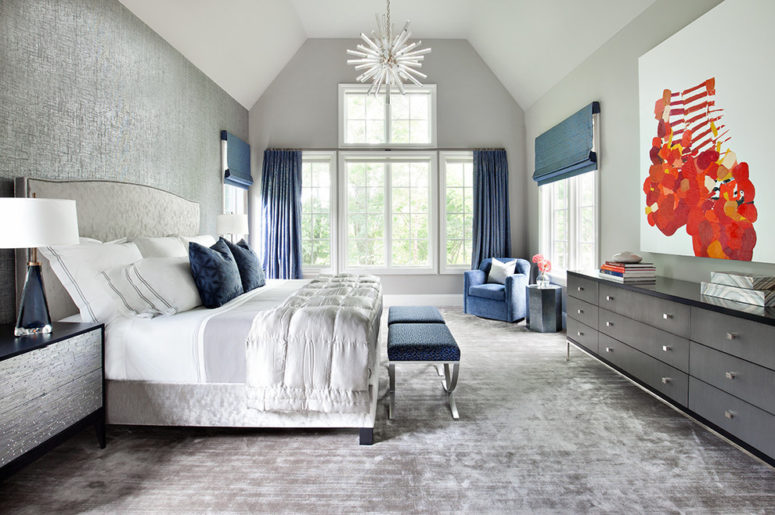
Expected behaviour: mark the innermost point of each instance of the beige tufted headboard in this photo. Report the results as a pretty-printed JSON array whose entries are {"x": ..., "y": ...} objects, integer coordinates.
[{"x": 107, "y": 211}]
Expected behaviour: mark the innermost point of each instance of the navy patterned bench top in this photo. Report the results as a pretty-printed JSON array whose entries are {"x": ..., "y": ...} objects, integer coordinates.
[
  {"x": 414, "y": 315},
  {"x": 421, "y": 342}
]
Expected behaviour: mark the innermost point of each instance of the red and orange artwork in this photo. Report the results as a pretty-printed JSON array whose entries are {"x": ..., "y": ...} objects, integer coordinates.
[{"x": 696, "y": 183}]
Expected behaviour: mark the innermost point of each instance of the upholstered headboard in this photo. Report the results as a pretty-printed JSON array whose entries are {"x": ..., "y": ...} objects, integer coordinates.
[{"x": 107, "y": 211}]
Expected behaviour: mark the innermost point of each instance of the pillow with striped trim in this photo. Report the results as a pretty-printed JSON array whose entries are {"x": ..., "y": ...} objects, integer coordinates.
[
  {"x": 79, "y": 267},
  {"x": 153, "y": 286}
]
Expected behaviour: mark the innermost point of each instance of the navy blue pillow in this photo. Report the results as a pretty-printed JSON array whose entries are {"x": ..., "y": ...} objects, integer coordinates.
[
  {"x": 215, "y": 273},
  {"x": 249, "y": 266}
]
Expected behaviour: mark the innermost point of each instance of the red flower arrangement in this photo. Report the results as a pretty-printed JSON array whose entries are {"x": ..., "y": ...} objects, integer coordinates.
[{"x": 543, "y": 264}]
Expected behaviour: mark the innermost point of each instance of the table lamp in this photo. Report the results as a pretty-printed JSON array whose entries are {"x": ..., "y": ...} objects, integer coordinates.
[
  {"x": 31, "y": 223},
  {"x": 232, "y": 224}
]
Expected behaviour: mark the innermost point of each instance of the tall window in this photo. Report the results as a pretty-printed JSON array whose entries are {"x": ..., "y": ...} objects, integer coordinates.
[
  {"x": 235, "y": 200},
  {"x": 457, "y": 176},
  {"x": 367, "y": 120},
  {"x": 569, "y": 222},
  {"x": 317, "y": 203},
  {"x": 389, "y": 206}
]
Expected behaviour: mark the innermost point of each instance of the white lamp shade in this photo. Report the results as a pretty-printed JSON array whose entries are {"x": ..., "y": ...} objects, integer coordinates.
[
  {"x": 232, "y": 224},
  {"x": 37, "y": 222}
]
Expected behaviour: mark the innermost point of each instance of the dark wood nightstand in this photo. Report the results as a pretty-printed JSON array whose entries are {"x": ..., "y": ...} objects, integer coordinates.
[{"x": 50, "y": 386}]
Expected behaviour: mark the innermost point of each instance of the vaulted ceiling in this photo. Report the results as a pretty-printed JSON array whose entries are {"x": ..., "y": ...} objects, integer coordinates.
[{"x": 529, "y": 44}]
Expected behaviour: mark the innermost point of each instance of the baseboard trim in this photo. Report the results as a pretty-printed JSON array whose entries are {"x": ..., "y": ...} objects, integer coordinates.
[{"x": 439, "y": 300}]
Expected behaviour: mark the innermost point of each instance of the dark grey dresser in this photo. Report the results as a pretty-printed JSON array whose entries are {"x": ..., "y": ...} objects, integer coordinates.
[
  {"x": 712, "y": 358},
  {"x": 50, "y": 386}
]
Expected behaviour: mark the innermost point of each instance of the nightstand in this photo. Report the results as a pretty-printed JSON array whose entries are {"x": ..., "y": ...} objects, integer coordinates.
[
  {"x": 545, "y": 308},
  {"x": 51, "y": 385}
]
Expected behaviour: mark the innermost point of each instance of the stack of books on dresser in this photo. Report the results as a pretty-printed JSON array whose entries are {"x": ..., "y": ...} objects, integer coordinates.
[
  {"x": 629, "y": 273},
  {"x": 751, "y": 289}
]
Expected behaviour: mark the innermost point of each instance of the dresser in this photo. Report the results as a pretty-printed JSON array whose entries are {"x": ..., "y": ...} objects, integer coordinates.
[
  {"x": 714, "y": 359},
  {"x": 50, "y": 386}
]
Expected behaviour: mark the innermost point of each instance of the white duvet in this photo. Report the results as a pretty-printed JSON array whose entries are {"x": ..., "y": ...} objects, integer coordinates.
[{"x": 312, "y": 353}]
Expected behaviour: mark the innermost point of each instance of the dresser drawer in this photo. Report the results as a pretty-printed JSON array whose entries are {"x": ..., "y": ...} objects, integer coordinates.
[
  {"x": 662, "y": 345},
  {"x": 754, "y": 426},
  {"x": 663, "y": 314},
  {"x": 582, "y": 288},
  {"x": 582, "y": 311},
  {"x": 736, "y": 336},
  {"x": 35, "y": 373},
  {"x": 32, "y": 423},
  {"x": 749, "y": 382},
  {"x": 583, "y": 334},
  {"x": 662, "y": 377}
]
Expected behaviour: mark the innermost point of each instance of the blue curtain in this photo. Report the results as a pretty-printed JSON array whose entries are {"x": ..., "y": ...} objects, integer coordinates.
[
  {"x": 492, "y": 228},
  {"x": 281, "y": 212}
]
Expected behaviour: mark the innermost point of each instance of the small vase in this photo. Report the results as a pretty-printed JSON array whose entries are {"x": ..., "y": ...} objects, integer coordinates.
[{"x": 542, "y": 280}]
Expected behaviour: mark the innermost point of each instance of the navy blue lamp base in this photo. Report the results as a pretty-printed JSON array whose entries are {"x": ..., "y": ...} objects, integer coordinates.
[{"x": 33, "y": 311}]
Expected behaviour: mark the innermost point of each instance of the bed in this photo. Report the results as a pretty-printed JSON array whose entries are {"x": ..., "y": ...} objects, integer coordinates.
[{"x": 214, "y": 367}]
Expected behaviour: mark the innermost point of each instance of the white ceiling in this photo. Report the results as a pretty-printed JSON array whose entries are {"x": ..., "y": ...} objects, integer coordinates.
[{"x": 529, "y": 44}]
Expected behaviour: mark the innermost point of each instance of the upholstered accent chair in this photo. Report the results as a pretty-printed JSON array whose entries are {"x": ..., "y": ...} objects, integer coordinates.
[{"x": 506, "y": 302}]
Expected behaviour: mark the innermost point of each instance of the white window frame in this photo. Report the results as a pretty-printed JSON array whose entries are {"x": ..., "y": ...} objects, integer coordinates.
[
  {"x": 546, "y": 210},
  {"x": 364, "y": 88},
  {"x": 444, "y": 158},
  {"x": 330, "y": 157},
  {"x": 388, "y": 156},
  {"x": 230, "y": 209}
]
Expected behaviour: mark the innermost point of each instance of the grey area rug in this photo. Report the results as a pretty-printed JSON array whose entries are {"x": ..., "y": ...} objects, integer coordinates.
[{"x": 536, "y": 433}]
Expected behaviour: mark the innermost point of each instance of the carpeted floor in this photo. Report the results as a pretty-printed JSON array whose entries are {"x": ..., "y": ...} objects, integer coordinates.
[{"x": 535, "y": 434}]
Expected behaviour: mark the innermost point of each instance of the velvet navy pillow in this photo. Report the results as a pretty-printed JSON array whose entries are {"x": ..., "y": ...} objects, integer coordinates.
[
  {"x": 250, "y": 270},
  {"x": 215, "y": 273}
]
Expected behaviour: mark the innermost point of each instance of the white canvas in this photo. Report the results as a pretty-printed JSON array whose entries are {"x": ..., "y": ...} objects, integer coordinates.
[{"x": 734, "y": 44}]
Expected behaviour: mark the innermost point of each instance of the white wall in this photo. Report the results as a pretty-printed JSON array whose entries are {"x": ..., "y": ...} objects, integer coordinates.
[
  {"x": 610, "y": 75},
  {"x": 299, "y": 110}
]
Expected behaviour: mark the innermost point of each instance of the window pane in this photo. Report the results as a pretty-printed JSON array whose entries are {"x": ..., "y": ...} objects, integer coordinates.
[
  {"x": 399, "y": 131},
  {"x": 560, "y": 192},
  {"x": 418, "y": 103},
  {"x": 456, "y": 227},
  {"x": 458, "y": 210},
  {"x": 420, "y": 227},
  {"x": 586, "y": 257},
  {"x": 454, "y": 175},
  {"x": 561, "y": 255},
  {"x": 560, "y": 229},
  {"x": 356, "y": 131},
  {"x": 587, "y": 225},
  {"x": 399, "y": 107},
  {"x": 586, "y": 184},
  {"x": 316, "y": 212},
  {"x": 418, "y": 132},
  {"x": 401, "y": 175}
]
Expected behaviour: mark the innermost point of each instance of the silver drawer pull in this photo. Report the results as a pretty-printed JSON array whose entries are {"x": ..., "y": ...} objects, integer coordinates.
[
  {"x": 609, "y": 349},
  {"x": 666, "y": 380},
  {"x": 731, "y": 336},
  {"x": 580, "y": 288},
  {"x": 729, "y": 414},
  {"x": 579, "y": 311},
  {"x": 609, "y": 324},
  {"x": 579, "y": 333},
  {"x": 609, "y": 298},
  {"x": 730, "y": 375},
  {"x": 666, "y": 348},
  {"x": 667, "y": 316}
]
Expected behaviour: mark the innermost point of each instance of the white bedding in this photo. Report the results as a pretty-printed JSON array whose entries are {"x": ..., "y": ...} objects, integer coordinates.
[{"x": 173, "y": 350}]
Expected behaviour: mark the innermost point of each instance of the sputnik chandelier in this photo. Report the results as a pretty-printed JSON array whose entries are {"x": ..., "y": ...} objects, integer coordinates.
[{"x": 388, "y": 61}]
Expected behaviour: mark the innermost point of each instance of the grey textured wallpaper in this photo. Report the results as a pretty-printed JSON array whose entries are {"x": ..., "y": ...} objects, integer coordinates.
[{"x": 88, "y": 91}]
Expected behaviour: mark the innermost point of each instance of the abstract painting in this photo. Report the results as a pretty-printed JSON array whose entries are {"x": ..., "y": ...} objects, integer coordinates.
[{"x": 704, "y": 124}]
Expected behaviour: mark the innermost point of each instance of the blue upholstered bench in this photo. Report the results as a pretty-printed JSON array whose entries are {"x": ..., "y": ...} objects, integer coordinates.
[
  {"x": 420, "y": 341},
  {"x": 414, "y": 315}
]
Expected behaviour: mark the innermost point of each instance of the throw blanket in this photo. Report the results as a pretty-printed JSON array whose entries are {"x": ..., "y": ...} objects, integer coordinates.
[{"x": 313, "y": 352}]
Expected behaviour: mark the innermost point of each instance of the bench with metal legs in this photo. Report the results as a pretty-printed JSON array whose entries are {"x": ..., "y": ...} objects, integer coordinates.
[{"x": 419, "y": 335}]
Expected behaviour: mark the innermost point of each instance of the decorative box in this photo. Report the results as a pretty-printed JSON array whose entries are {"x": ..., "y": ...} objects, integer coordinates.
[
  {"x": 742, "y": 280},
  {"x": 756, "y": 297}
]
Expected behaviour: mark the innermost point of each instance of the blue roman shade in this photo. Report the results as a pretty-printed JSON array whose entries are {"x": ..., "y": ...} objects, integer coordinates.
[
  {"x": 566, "y": 149},
  {"x": 236, "y": 162}
]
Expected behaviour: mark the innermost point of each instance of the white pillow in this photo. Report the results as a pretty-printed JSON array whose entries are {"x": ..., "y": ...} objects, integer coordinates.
[
  {"x": 499, "y": 271},
  {"x": 153, "y": 286},
  {"x": 204, "y": 240},
  {"x": 78, "y": 268},
  {"x": 165, "y": 246}
]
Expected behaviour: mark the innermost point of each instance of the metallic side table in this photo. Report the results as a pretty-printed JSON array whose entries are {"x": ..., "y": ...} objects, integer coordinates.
[{"x": 545, "y": 308}]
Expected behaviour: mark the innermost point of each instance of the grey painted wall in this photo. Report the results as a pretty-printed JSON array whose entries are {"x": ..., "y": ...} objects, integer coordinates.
[
  {"x": 610, "y": 75},
  {"x": 88, "y": 91},
  {"x": 299, "y": 110}
]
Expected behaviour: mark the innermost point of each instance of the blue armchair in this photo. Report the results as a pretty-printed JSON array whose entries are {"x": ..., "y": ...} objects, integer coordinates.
[{"x": 498, "y": 301}]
